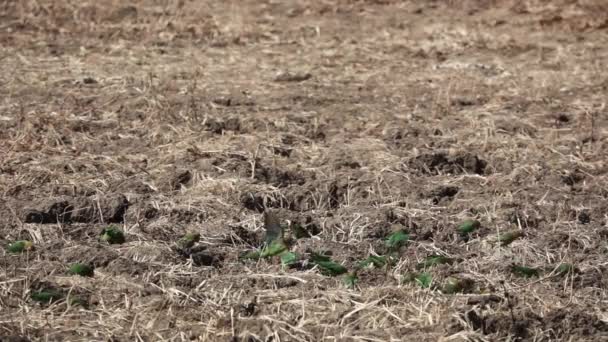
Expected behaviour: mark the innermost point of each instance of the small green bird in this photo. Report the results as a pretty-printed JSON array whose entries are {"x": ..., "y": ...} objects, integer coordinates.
[
  {"x": 112, "y": 235},
  {"x": 188, "y": 240},
  {"x": 20, "y": 246}
]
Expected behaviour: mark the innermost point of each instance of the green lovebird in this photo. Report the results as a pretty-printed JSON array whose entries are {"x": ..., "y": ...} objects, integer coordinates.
[{"x": 188, "y": 240}]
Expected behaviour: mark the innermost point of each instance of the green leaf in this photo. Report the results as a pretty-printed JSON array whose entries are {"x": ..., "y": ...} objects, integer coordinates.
[
  {"x": 331, "y": 268},
  {"x": 20, "y": 246},
  {"x": 274, "y": 231},
  {"x": 112, "y": 235},
  {"x": 523, "y": 271},
  {"x": 289, "y": 258},
  {"x": 456, "y": 285},
  {"x": 254, "y": 255},
  {"x": 350, "y": 280},
  {"x": 81, "y": 270},
  {"x": 188, "y": 240},
  {"x": 434, "y": 260},
  {"x": 424, "y": 279},
  {"x": 505, "y": 239},
  {"x": 468, "y": 226},
  {"x": 376, "y": 260},
  {"x": 46, "y": 296},
  {"x": 274, "y": 248},
  {"x": 397, "y": 239}
]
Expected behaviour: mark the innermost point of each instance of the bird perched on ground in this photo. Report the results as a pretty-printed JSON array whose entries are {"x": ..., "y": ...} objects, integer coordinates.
[
  {"x": 188, "y": 241},
  {"x": 274, "y": 231}
]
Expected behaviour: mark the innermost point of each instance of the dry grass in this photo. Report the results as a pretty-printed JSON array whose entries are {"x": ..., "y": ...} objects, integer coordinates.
[{"x": 177, "y": 105}]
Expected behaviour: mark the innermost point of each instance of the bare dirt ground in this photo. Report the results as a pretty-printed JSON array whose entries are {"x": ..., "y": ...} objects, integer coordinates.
[{"x": 349, "y": 118}]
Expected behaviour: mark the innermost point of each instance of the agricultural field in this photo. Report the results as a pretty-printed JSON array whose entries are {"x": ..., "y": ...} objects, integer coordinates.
[{"x": 303, "y": 170}]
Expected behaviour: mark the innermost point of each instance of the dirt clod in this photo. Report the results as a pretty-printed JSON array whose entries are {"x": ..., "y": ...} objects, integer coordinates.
[
  {"x": 13, "y": 338},
  {"x": 443, "y": 192},
  {"x": 440, "y": 162},
  {"x": 205, "y": 259},
  {"x": 52, "y": 211},
  {"x": 110, "y": 209},
  {"x": 573, "y": 177},
  {"x": 292, "y": 77},
  {"x": 181, "y": 178},
  {"x": 221, "y": 126}
]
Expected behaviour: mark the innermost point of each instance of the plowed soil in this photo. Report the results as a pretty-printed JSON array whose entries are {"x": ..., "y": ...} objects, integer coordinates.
[{"x": 351, "y": 119}]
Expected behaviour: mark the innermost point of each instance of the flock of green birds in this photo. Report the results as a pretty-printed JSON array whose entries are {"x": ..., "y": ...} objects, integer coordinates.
[{"x": 277, "y": 245}]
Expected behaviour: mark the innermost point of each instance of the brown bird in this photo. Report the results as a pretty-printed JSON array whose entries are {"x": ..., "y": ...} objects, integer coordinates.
[{"x": 274, "y": 231}]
